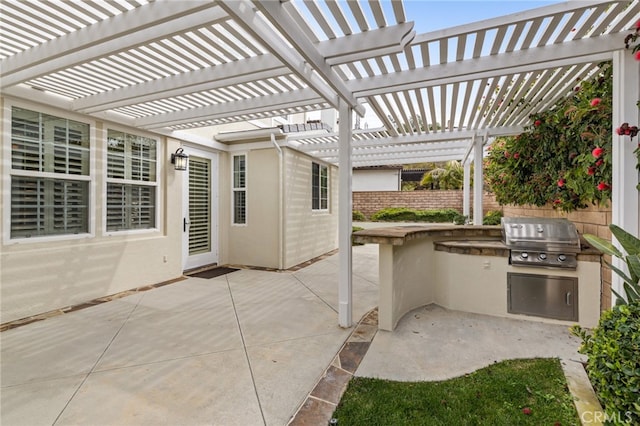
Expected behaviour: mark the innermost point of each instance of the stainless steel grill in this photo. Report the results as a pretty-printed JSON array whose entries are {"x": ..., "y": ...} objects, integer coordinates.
[{"x": 539, "y": 242}]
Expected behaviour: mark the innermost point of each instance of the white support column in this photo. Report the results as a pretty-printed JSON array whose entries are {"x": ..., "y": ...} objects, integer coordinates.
[
  {"x": 624, "y": 197},
  {"x": 345, "y": 216},
  {"x": 477, "y": 180},
  {"x": 466, "y": 189}
]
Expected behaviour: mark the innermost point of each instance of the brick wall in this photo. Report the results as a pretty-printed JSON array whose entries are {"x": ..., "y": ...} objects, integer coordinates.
[
  {"x": 592, "y": 220},
  {"x": 370, "y": 202}
]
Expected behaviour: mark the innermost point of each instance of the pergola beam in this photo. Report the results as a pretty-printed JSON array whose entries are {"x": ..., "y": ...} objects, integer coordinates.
[
  {"x": 516, "y": 62},
  {"x": 301, "y": 59},
  {"x": 370, "y": 44},
  {"x": 514, "y": 18},
  {"x": 286, "y": 100},
  {"x": 371, "y": 147},
  {"x": 278, "y": 17},
  {"x": 223, "y": 75},
  {"x": 361, "y": 162}
]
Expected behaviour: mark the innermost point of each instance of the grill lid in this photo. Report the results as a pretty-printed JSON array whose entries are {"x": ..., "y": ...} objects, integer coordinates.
[{"x": 540, "y": 234}]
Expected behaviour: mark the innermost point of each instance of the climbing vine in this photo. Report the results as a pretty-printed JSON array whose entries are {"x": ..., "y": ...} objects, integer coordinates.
[{"x": 563, "y": 157}]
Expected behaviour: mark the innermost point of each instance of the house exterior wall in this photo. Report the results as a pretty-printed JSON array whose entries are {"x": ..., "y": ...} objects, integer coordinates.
[
  {"x": 307, "y": 234},
  {"x": 255, "y": 243},
  {"x": 376, "y": 180},
  {"x": 47, "y": 273}
]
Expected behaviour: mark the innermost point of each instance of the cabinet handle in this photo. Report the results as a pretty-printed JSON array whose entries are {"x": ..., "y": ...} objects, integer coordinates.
[{"x": 568, "y": 298}]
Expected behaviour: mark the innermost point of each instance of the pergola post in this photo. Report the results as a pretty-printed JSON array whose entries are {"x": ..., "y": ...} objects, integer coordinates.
[
  {"x": 477, "y": 179},
  {"x": 466, "y": 189},
  {"x": 345, "y": 293},
  {"x": 624, "y": 197}
]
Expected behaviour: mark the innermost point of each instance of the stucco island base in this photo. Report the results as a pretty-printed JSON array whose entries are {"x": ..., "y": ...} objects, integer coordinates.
[{"x": 461, "y": 268}]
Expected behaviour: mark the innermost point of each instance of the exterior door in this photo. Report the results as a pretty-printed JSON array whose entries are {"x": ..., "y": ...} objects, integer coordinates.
[{"x": 200, "y": 210}]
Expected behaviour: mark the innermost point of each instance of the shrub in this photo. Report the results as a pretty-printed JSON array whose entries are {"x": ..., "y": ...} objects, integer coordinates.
[
  {"x": 402, "y": 214},
  {"x": 358, "y": 216},
  {"x": 613, "y": 365},
  {"x": 460, "y": 219},
  {"x": 492, "y": 218},
  {"x": 355, "y": 229}
]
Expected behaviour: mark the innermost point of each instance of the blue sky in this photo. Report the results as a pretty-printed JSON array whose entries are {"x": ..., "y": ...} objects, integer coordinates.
[{"x": 430, "y": 15}]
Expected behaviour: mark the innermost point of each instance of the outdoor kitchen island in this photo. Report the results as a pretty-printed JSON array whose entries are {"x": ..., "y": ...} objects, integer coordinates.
[{"x": 465, "y": 268}]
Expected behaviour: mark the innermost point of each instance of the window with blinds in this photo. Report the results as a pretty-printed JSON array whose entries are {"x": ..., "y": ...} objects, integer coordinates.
[
  {"x": 319, "y": 187},
  {"x": 239, "y": 189},
  {"x": 131, "y": 181},
  {"x": 199, "y": 205},
  {"x": 49, "y": 175}
]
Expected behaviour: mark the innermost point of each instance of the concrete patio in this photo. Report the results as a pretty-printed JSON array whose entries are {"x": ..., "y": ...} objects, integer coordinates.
[{"x": 244, "y": 348}]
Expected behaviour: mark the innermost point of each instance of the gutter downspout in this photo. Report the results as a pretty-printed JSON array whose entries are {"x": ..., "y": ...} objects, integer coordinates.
[{"x": 281, "y": 203}]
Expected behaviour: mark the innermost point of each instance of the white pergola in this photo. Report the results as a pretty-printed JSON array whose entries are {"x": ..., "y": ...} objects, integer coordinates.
[{"x": 170, "y": 66}]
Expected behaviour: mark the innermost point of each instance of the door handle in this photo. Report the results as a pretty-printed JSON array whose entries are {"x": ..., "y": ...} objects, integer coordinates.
[{"x": 185, "y": 223}]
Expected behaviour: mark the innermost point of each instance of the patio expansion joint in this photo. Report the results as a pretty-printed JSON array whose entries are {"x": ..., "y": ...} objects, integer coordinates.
[
  {"x": 320, "y": 403},
  {"x": 246, "y": 353},
  {"x": 95, "y": 364},
  {"x": 314, "y": 293}
]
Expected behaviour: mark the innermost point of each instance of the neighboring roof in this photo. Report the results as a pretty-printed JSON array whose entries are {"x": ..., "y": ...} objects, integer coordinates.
[
  {"x": 389, "y": 167},
  {"x": 169, "y": 65}
]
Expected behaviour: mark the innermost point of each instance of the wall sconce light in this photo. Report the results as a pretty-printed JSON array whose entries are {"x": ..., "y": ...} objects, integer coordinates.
[{"x": 179, "y": 159}]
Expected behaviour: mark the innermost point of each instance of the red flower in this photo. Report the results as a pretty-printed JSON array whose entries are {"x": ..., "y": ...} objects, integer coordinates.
[
  {"x": 637, "y": 55},
  {"x": 557, "y": 201},
  {"x": 603, "y": 186},
  {"x": 537, "y": 123},
  {"x": 638, "y": 25},
  {"x": 595, "y": 101},
  {"x": 619, "y": 131},
  {"x": 591, "y": 170},
  {"x": 506, "y": 154},
  {"x": 516, "y": 155},
  {"x": 526, "y": 410},
  {"x": 599, "y": 163},
  {"x": 597, "y": 152},
  {"x": 561, "y": 182}
]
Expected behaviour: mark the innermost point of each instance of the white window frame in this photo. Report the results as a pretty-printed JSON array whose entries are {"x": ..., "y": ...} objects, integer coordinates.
[
  {"x": 321, "y": 166},
  {"x": 8, "y": 173},
  {"x": 157, "y": 184},
  {"x": 244, "y": 189}
]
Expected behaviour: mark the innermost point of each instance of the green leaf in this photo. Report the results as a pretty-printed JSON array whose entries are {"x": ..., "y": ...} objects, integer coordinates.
[
  {"x": 633, "y": 263},
  {"x": 632, "y": 293},
  {"x": 628, "y": 242},
  {"x": 603, "y": 245}
]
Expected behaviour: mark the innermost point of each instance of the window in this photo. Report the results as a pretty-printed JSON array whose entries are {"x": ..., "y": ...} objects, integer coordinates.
[
  {"x": 131, "y": 181},
  {"x": 239, "y": 189},
  {"x": 49, "y": 175},
  {"x": 319, "y": 187}
]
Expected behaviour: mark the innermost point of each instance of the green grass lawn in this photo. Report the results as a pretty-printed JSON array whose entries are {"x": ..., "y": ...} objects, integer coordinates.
[{"x": 501, "y": 394}]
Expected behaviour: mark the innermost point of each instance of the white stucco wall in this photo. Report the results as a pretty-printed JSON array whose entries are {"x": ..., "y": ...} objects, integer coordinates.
[
  {"x": 376, "y": 180},
  {"x": 480, "y": 286},
  {"x": 414, "y": 275},
  {"x": 37, "y": 276},
  {"x": 256, "y": 242}
]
